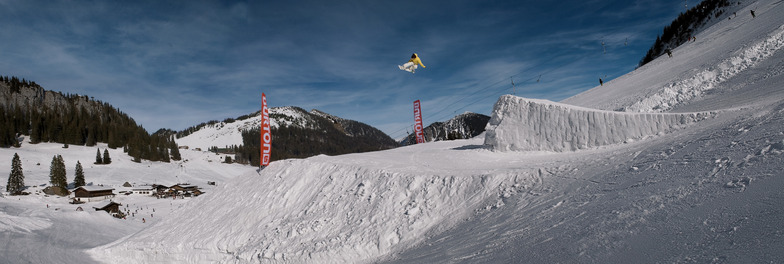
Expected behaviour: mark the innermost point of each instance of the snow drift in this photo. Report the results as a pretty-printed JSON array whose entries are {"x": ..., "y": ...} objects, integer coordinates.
[{"x": 520, "y": 124}]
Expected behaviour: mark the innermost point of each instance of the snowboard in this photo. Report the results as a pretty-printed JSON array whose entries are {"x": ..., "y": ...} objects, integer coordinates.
[{"x": 410, "y": 69}]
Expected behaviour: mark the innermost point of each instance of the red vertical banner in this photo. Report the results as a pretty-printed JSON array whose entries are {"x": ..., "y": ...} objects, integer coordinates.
[
  {"x": 266, "y": 134},
  {"x": 420, "y": 135}
]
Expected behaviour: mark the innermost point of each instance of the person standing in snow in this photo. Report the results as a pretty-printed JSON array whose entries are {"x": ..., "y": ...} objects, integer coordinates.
[
  {"x": 752, "y": 14},
  {"x": 601, "y": 83},
  {"x": 411, "y": 65},
  {"x": 669, "y": 52}
]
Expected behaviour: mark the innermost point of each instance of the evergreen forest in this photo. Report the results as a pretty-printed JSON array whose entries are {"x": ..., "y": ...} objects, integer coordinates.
[
  {"x": 26, "y": 109},
  {"x": 683, "y": 28}
]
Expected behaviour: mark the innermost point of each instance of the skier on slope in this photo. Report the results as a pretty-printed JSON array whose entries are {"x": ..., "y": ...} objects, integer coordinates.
[{"x": 411, "y": 65}]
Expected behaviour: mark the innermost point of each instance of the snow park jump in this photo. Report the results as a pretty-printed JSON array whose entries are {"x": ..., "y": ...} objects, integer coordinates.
[{"x": 520, "y": 124}]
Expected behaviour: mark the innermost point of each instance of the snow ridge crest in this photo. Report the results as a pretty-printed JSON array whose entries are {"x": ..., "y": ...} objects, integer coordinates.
[
  {"x": 684, "y": 90},
  {"x": 520, "y": 124}
]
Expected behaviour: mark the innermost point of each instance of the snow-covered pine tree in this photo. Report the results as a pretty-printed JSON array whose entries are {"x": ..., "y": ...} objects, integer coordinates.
[
  {"x": 57, "y": 174},
  {"x": 16, "y": 178},
  {"x": 175, "y": 152},
  {"x": 79, "y": 177},
  {"x": 106, "y": 158}
]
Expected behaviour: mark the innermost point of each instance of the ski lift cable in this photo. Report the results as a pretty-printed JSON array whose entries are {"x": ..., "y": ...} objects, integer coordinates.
[
  {"x": 473, "y": 94},
  {"x": 495, "y": 92},
  {"x": 537, "y": 77},
  {"x": 465, "y": 96}
]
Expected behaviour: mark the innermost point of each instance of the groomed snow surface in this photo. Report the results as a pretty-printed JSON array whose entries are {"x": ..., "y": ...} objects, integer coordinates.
[{"x": 572, "y": 182}]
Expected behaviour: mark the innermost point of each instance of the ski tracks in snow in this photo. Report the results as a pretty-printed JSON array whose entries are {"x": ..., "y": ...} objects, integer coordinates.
[
  {"x": 22, "y": 224},
  {"x": 684, "y": 90}
]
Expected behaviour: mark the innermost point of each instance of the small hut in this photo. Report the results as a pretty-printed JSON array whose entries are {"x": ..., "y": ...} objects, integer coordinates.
[{"x": 110, "y": 207}]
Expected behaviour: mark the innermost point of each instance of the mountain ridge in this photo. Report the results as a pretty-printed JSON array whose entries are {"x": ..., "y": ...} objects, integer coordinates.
[
  {"x": 296, "y": 133},
  {"x": 26, "y": 108},
  {"x": 462, "y": 126}
]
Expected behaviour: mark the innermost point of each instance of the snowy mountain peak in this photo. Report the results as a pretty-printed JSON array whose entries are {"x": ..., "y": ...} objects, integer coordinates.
[
  {"x": 229, "y": 133},
  {"x": 462, "y": 126}
]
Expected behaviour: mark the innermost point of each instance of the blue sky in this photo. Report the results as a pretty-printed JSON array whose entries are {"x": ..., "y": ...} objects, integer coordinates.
[{"x": 175, "y": 64}]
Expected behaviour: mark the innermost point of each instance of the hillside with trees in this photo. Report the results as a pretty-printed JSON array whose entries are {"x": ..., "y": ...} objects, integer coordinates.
[
  {"x": 463, "y": 126},
  {"x": 684, "y": 27},
  {"x": 300, "y": 134},
  {"x": 26, "y": 109}
]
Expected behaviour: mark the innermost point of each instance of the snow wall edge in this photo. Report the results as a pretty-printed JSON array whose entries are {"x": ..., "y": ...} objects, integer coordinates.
[{"x": 521, "y": 124}]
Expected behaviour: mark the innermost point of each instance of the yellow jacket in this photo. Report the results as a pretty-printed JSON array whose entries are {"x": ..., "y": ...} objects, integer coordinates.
[{"x": 417, "y": 61}]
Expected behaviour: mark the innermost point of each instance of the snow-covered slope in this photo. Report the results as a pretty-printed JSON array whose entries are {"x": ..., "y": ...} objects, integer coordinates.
[
  {"x": 699, "y": 193},
  {"x": 722, "y": 52},
  {"x": 196, "y": 167},
  {"x": 326, "y": 209},
  {"x": 39, "y": 228},
  {"x": 222, "y": 134},
  {"x": 709, "y": 192}
]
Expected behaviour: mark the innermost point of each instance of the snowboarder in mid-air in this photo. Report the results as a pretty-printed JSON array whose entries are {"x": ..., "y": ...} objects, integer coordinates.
[{"x": 411, "y": 65}]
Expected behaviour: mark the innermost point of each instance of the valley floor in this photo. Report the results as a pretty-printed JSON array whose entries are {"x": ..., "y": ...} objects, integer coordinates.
[{"x": 39, "y": 228}]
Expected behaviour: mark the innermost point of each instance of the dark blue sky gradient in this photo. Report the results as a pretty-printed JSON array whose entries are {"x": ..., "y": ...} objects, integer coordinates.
[{"x": 174, "y": 64}]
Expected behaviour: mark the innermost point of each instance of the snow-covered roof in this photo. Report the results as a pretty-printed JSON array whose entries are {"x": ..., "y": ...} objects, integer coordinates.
[
  {"x": 95, "y": 188},
  {"x": 184, "y": 185},
  {"x": 142, "y": 188},
  {"x": 105, "y": 204}
]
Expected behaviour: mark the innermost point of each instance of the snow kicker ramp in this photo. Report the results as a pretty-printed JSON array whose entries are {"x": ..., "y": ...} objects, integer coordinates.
[
  {"x": 520, "y": 124},
  {"x": 317, "y": 210}
]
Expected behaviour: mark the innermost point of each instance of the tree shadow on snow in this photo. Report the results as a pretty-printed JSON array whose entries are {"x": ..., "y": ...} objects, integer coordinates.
[{"x": 469, "y": 147}]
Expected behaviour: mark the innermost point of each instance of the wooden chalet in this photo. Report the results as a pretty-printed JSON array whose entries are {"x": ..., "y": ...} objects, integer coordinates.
[
  {"x": 186, "y": 190},
  {"x": 92, "y": 193},
  {"x": 160, "y": 190},
  {"x": 112, "y": 208},
  {"x": 182, "y": 188}
]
